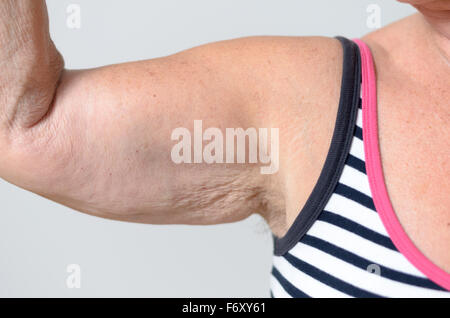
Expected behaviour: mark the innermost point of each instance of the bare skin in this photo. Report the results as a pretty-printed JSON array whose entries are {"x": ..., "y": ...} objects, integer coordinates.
[
  {"x": 414, "y": 111},
  {"x": 99, "y": 140}
]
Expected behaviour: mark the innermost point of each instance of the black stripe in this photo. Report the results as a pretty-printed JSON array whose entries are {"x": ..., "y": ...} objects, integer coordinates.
[
  {"x": 358, "y": 132},
  {"x": 356, "y": 163},
  {"x": 355, "y": 195},
  {"x": 357, "y": 228},
  {"x": 288, "y": 287},
  {"x": 328, "y": 279},
  {"x": 363, "y": 263},
  {"x": 337, "y": 153},
  {"x": 360, "y": 103}
]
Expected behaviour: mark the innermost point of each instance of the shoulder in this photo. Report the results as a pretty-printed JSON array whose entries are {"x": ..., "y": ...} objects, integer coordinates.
[{"x": 263, "y": 61}]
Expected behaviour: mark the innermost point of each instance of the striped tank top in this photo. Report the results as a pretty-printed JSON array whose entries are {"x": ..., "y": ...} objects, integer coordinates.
[{"x": 347, "y": 240}]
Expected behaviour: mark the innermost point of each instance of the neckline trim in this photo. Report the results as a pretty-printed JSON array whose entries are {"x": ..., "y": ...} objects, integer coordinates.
[
  {"x": 376, "y": 178},
  {"x": 337, "y": 153}
]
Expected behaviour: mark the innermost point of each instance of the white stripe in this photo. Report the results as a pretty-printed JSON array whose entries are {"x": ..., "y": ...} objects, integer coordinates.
[
  {"x": 355, "y": 179},
  {"x": 277, "y": 290},
  {"x": 359, "y": 117},
  {"x": 304, "y": 282},
  {"x": 357, "y": 148},
  {"x": 360, "y": 277},
  {"x": 356, "y": 212},
  {"x": 362, "y": 247}
]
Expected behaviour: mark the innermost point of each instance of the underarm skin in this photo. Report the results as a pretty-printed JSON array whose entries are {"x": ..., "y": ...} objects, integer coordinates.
[{"x": 99, "y": 140}]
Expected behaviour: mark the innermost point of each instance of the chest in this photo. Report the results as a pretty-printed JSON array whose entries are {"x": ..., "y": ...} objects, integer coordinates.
[{"x": 414, "y": 139}]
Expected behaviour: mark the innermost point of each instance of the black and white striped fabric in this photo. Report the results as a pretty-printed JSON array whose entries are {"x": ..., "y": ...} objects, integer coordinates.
[{"x": 346, "y": 251}]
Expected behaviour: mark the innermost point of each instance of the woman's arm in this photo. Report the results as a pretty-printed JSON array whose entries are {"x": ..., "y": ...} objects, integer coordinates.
[{"x": 99, "y": 140}]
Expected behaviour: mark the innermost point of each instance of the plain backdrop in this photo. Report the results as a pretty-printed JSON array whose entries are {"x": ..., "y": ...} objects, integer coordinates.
[{"x": 39, "y": 239}]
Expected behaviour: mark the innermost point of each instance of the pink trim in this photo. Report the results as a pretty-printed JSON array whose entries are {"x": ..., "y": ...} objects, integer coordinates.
[{"x": 376, "y": 178}]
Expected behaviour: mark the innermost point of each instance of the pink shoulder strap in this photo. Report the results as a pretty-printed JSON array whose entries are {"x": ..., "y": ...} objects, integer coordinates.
[{"x": 376, "y": 179}]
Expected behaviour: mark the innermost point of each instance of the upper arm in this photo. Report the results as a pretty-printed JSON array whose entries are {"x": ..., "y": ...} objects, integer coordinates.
[{"x": 105, "y": 145}]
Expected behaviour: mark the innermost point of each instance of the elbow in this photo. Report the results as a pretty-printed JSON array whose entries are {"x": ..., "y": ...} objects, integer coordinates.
[{"x": 29, "y": 88}]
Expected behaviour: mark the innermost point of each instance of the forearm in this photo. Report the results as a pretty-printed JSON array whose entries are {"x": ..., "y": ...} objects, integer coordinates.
[{"x": 30, "y": 64}]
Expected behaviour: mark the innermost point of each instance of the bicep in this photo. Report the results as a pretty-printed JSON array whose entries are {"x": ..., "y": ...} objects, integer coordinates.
[{"x": 108, "y": 139}]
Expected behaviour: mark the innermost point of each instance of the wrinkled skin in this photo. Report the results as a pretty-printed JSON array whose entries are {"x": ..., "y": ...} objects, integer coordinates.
[{"x": 99, "y": 140}]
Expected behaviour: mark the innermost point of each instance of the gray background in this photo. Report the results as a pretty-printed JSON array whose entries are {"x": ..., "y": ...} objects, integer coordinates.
[{"x": 39, "y": 238}]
